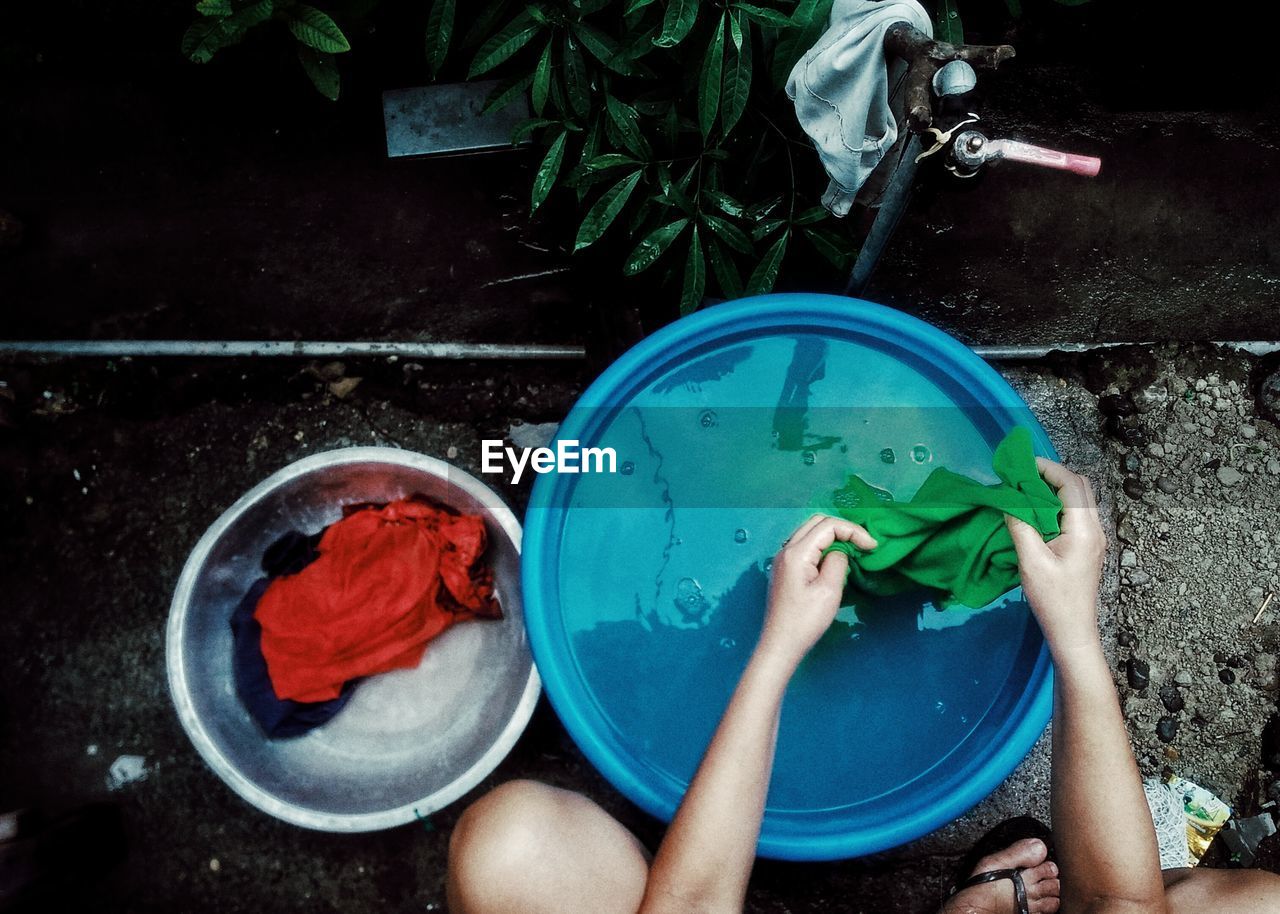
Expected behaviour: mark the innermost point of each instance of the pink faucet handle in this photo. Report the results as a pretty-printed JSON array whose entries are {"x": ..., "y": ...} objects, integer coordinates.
[{"x": 1039, "y": 155}]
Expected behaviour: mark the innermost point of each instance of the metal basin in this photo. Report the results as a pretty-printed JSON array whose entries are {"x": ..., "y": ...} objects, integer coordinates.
[{"x": 409, "y": 742}]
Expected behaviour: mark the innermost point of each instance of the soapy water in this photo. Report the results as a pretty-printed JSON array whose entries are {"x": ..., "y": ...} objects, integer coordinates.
[{"x": 662, "y": 627}]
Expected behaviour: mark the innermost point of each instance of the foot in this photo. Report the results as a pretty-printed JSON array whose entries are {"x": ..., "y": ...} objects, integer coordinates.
[{"x": 1038, "y": 875}]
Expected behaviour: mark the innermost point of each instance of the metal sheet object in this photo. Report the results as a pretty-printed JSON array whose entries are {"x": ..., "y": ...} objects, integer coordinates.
[
  {"x": 448, "y": 119},
  {"x": 409, "y": 742}
]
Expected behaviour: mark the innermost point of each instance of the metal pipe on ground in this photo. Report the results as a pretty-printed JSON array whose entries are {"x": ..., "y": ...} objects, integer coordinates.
[{"x": 455, "y": 351}]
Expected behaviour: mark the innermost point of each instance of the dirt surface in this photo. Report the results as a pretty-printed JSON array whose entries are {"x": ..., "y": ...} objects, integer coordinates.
[{"x": 111, "y": 471}]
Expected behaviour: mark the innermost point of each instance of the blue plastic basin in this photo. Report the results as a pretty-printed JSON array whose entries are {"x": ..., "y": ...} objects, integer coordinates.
[{"x": 644, "y": 589}]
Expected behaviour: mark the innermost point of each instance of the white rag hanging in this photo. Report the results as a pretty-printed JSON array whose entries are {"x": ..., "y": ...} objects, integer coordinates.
[{"x": 841, "y": 92}]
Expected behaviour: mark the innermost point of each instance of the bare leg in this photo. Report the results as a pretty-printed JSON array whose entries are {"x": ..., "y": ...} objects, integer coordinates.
[
  {"x": 529, "y": 848},
  {"x": 1194, "y": 891}
]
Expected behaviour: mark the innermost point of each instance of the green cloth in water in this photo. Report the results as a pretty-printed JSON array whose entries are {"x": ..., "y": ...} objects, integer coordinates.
[{"x": 951, "y": 535}]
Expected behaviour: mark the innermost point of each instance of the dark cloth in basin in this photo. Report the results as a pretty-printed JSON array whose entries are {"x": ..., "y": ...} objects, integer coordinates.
[{"x": 277, "y": 718}]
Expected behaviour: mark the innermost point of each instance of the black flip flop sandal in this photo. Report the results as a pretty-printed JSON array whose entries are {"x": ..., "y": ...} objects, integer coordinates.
[{"x": 1000, "y": 837}]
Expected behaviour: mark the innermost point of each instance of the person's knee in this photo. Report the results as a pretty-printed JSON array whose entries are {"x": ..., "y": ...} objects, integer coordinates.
[{"x": 499, "y": 835}]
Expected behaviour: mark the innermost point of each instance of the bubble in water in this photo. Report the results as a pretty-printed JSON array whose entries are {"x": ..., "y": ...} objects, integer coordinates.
[
  {"x": 940, "y": 708},
  {"x": 964, "y": 720},
  {"x": 690, "y": 600},
  {"x": 728, "y": 643},
  {"x": 628, "y": 468},
  {"x": 888, "y": 456},
  {"x": 921, "y": 454},
  {"x": 707, "y": 418},
  {"x": 740, "y": 535},
  {"x": 768, "y": 564},
  {"x": 808, "y": 457}
]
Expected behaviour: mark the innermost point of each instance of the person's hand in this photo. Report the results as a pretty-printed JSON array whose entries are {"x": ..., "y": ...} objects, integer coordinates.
[
  {"x": 804, "y": 593},
  {"x": 1060, "y": 578}
]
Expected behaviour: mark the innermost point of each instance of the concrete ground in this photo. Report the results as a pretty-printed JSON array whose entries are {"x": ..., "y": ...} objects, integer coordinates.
[{"x": 110, "y": 471}]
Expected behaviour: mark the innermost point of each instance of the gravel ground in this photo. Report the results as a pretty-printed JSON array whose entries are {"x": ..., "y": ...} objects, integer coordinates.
[
  {"x": 1198, "y": 533},
  {"x": 109, "y": 472}
]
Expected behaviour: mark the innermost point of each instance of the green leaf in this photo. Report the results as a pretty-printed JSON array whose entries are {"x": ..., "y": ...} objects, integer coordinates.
[
  {"x": 809, "y": 13},
  {"x": 439, "y": 33},
  {"x": 203, "y": 39},
  {"x": 577, "y": 84},
  {"x": 709, "y": 81},
  {"x": 652, "y": 246},
  {"x": 947, "y": 25},
  {"x": 485, "y": 23},
  {"x": 766, "y": 272},
  {"x": 640, "y": 46},
  {"x": 547, "y": 171},
  {"x": 735, "y": 29},
  {"x": 727, "y": 232},
  {"x": 672, "y": 193},
  {"x": 590, "y": 149},
  {"x": 525, "y": 128},
  {"x": 766, "y": 228},
  {"x": 695, "y": 276},
  {"x": 635, "y": 6},
  {"x": 322, "y": 70},
  {"x": 602, "y": 47},
  {"x": 591, "y": 145},
  {"x": 761, "y": 208},
  {"x": 725, "y": 270},
  {"x": 605, "y": 210},
  {"x": 506, "y": 92},
  {"x": 207, "y": 36},
  {"x": 541, "y": 81},
  {"x": 737, "y": 84},
  {"x": 831, "y": 245},
  {"x": 515, "y": 35},
  {"x": 811, "y": 215},
  {"x": 1015, "y": 8},
  {"x": 677, "y": 22},
  {"x": 218, "y": 9},
  {"x": 251, "y": 15},
  {"x": 764, "y": 16},
  {"x": 316, "y": 30},
  {"x": 726, "y": 203},
  {"x": 609, "y": 160},
  {"x": 625, "y": 118}
]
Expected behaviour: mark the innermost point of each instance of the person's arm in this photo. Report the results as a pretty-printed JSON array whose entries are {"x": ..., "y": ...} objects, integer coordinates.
[
  {"x": 1102, "y": 827},
  {"x": 705, "y": 858}
]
